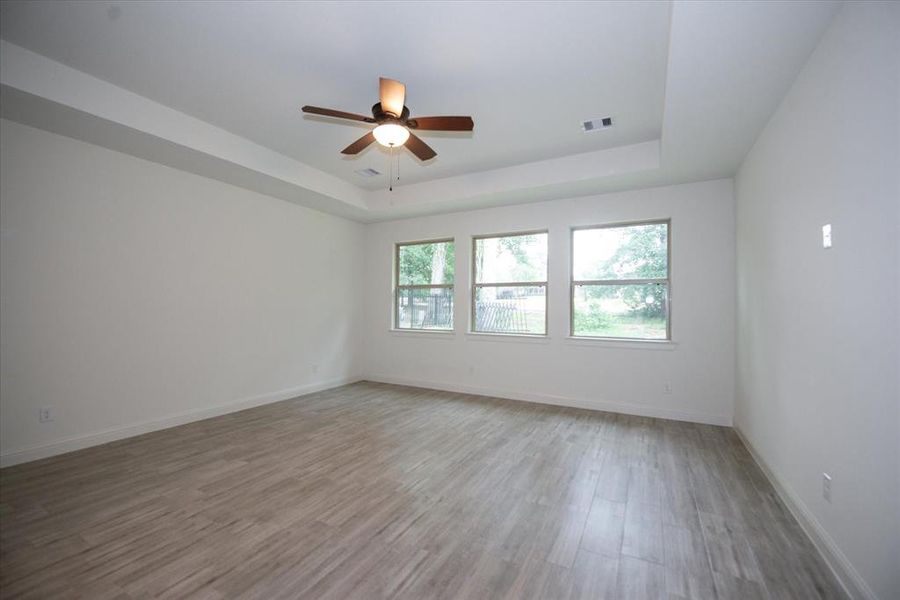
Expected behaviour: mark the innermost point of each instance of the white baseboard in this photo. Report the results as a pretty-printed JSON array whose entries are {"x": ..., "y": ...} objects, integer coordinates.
[
  {"x": 587, "y": 403},
  {"x": 30, "y": 453},
  {"x": 844, "y": 571}
]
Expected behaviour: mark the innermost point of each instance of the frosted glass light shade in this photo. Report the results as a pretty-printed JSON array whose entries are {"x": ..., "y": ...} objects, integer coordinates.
[{"x": 391, "y": 134}]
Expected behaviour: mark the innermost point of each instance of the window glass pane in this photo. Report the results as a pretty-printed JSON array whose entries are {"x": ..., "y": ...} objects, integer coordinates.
[
  {"x": 429, "y": 308},
  {"x": 423, "y": 264},
  {"x": 515, "y": 309},
  {"x": 622, "y": 311},
  {"x": 629, "y": 252},
  {"x": 511, "y": 259}
]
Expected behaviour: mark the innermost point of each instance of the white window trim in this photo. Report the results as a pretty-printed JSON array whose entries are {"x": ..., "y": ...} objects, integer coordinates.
[
  {"x": 395, "y": 301},
  {"x": 475, "y": 285},
  {"x": 573, "y": 283}
]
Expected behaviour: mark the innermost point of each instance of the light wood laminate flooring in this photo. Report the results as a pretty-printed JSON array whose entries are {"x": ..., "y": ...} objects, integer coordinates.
[{"x": 380, "y": 491}]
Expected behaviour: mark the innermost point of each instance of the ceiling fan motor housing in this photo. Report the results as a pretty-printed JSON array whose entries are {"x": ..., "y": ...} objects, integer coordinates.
[{"x": 382, "y": 116}]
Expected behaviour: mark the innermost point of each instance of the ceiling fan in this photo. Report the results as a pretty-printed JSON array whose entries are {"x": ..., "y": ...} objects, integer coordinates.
[{"x": 393, "y": 123}]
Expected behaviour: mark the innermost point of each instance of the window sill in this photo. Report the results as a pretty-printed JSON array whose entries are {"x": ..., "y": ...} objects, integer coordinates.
[
  {"x": 665, "y": 345},
  {"x": 424, "y": 333},
  {"x": 507, "y": 337}
]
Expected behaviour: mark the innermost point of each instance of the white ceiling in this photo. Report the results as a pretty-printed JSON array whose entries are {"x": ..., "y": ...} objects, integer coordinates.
[
  {"x": 529, "y": 73},
  {"x": 215, "y": 88}
]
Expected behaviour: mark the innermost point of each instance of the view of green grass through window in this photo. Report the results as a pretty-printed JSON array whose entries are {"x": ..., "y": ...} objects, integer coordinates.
[
  {"x": 510, "y": 290},
  {"x": 424, "y": 285},
  {"x": 621, "y": 281}
]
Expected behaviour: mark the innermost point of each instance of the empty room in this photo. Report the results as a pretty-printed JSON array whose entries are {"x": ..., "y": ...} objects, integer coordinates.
[{"x": 450, "y": 300}]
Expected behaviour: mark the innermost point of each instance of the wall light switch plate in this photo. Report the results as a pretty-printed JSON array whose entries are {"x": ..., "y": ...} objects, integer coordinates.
[{"x": 826, "y": 236}]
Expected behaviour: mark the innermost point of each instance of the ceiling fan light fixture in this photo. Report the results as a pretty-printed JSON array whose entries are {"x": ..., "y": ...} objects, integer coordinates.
[{"x": 391, "y": 134}]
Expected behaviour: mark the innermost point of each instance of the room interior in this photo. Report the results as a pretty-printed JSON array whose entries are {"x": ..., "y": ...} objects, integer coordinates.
[{"x": 566, "y": 300}]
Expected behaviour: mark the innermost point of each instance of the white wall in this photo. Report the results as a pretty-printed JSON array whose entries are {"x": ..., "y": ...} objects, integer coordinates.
[
  {"x": 134, "y": 296},
  {"x": 623, "y": 376},
  {"x": 818, "y": 329}
]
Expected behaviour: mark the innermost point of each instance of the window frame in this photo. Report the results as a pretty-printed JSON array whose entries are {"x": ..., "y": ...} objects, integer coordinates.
[
  {"x": 573, "y": 283},
  {"x": 424, "y": 286},
  {"x": 476, "y": 285}
]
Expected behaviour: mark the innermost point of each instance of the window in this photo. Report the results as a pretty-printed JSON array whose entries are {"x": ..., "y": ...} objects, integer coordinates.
[
  {"x": 423, "y": 290},
  {"x": 509, "y": 294},
  {"x": 620, "y": 281}
]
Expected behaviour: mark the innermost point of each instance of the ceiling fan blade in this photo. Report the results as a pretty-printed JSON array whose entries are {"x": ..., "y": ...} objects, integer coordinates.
[
  {"x": 360, "y": 144},
  {"x": 442, "y": 123},
  {"x": 393, "y": 95},
  {"x": 329, "y": 112},
  {"x": 422, "y": 150}
]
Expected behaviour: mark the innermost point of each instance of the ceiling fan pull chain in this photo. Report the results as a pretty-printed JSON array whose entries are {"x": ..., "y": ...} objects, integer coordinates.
[{"x": 391, "y": 170}]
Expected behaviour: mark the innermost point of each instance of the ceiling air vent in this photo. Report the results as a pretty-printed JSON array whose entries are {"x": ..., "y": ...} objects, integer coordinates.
[
  {"x": 370, "y": 172},
  {"x": 596, "y": 124}
]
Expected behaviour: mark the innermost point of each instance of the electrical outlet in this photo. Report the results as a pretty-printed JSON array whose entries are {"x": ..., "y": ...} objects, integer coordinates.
[
  {"x": 826, "y": 235},
  {"x": 45, "y": 414},
  {"x": 471, "y": 370},
  {"x": 826, "y": 487},
  {"x": 315, "y": 368},
  {"x": 667, "y": 388}
]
